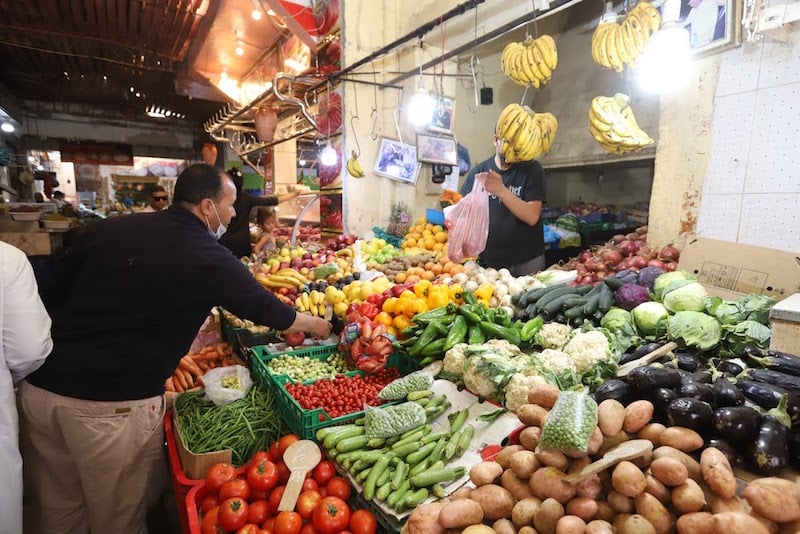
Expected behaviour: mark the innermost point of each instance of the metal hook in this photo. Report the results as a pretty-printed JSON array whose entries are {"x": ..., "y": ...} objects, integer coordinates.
[
  {"x": 353, "y": 128},
  {"x": 373, "y": 134}
]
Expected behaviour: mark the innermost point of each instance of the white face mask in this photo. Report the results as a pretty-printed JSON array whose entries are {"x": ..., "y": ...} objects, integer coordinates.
[{"x": 221, "y": 229}]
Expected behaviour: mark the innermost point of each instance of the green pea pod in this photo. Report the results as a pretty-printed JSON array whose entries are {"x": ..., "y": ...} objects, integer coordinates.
[
  {"x": 530, "y": 328},
  {"x": 458, "y": 332}
]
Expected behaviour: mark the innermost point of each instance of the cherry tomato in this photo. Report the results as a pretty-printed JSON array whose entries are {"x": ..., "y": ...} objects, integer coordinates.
[
  {"x": 309, "y": 484},
  {"x": 288, "y": 523},
  {"x": 306, "y": 503},
  {"x": 285, "y": 441},
  {"x": 218, "y": 474},
  {"x": 324, "y": 472},
  {"x": 249, "y": 528},
  {"x": 338, "y": 487},
  {"x": 275, "y": 499},
  {"x": 331, "y": 516},
  {"x": 209, "y": 501},
  {"x": 262, "y": 475},
  {"x": 363, "y": 522},
  {"x": 232, "y": 513},
  {"x": 257, "y": 457},
  {"x": 235, "y": 488},
  {"x": 257, "y": 512},
  {"x": 209, "y": 523}
]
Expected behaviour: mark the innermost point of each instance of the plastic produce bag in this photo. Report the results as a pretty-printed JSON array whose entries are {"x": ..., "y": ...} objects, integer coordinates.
[
  {"x": 225, "y": 385},
  {"x": 468, "y": 222},
  {"x": 392, "y": 420},
  {"x": 570, "y": 423}
]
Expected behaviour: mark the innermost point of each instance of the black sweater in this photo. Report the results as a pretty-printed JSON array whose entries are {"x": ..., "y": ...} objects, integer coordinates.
[{"x": 129, "y": 297}]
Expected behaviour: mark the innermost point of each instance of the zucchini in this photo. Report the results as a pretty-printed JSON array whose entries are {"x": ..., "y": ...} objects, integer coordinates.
[
  {"x": 613, "y": 282},
  {"x": 606, "y": 298}
]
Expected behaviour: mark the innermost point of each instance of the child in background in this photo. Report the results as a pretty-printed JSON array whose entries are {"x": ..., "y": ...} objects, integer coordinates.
[{"x": 266, "y": 219}]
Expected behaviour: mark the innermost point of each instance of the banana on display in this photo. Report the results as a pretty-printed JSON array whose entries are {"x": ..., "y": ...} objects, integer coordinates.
[
  {"x": 616, "y": 44},
  {"x": 531, "y": 62},
  {"x": 525, "y": 134},
  {"x": 612, "y": 124},
  {"x": 288, "y": 278},
  {"x": 354, "y": 166}
]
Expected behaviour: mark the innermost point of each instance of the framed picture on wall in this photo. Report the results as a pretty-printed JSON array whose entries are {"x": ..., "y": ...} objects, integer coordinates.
[
  {"x": 437, "y": 149},
  {"x": 443, "y": 114},
  {"x": 398, "y": 161},
  {"x": 713, "y": 25}
]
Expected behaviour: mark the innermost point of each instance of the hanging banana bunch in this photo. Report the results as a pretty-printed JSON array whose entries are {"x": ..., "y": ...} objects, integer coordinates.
[
  {"x": 354, "y": 166},
  {"x": 531, "y": 62},
  {"x": 612, "y": 124},
  {"x": 525, "y": 133},
  {"x": 616, "y": 44}
]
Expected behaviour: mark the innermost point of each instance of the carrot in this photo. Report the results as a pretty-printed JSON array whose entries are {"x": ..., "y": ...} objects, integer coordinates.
[
  {"x": 203, "y": 365},
  {"x": 187, "y": 377},
  {"x": 228, "y": 361},
  {"x": 169, "y": 385},
  {"x": 220, "y": 350},
  {"x": 208, "y": 356},
  {"x": 179, "y": 380},
  {"x": 187, "y": 364},
  {"x": 207, "y": 348}
]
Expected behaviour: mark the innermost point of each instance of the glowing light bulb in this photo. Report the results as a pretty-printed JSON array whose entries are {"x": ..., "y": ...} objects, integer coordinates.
[
  {"x": 420, "y": 107},
  {"x": 666, "y": 64},
  {"x": 7, "y": 127},
  {"x": 328, "y": 156}
]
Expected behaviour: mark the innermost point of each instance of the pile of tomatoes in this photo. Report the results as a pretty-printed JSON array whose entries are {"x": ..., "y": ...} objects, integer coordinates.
[{"x": 245, "y": 500}]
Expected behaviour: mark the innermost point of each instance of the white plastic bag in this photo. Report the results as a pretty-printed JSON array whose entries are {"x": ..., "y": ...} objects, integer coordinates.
[{"x": 227, "y": 384}]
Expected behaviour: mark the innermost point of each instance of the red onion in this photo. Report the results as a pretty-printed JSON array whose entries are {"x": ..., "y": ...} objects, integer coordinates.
[
  {"x": 585, "y": 255},
  {"x": 670, "y": 265},
  {"x": 627, "y": 247},
  {"x": 669, "y": 253},
  {"x": 600, "y": 266},
  {"x": 656, "y": 263},
  {"x": 588, "y": 279},
  {"x": 591, "y": 264},
  {"x": 638, "y": 262},
  {"x": 611, "y": 256},
  {"x": 600, "y": 275}
]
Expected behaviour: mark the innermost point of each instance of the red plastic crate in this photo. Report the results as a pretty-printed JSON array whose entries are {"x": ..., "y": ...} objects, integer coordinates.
[{"x": 181, "y": 484}]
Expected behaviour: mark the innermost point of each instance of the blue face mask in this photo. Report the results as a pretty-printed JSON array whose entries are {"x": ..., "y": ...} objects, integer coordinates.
[{"x": 221, "y": 229}]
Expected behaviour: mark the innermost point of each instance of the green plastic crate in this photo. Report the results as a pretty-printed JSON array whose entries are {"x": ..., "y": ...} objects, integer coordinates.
[{"x": 259, "y": 356}]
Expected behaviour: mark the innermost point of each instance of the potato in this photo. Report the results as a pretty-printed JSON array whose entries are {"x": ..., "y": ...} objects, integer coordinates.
[
  {"x": 628, "y": 479},
  {"x": 532, "y": 414},
  {"x": 681, "y": 438},
  {"x": 636, "y": 524},
  {"x": 590, "y": 487},
  {"x": 721, "y": 504},
  {"x": 527, "y": 530},
  {"x": 547, "y": 516},
  {"x": 461, "y": 493},
  {"x": 790, "y": 528},
  {"x": 598, "y": 526},
  {"x": 544, "y": 395},
  {"x": 524, "y": 463},
  {"x": 504, "y": 456},
  {"x": 643, "y": 460},
  {"x": 518, "y": 487},
  {"x": 529, "y": 438},
  {"x": 570, "y": 524},
  {"x": 595, "y": 441},
  {"x": 460, "y": 514},
  {"x": 583, "y": 507},
  {"x": 657, "y": 489},
  {"x": 771, "y": 526},
  {"x": 655, "y": 513},
  {"x": 552, "y": 458},
  {"x": 619, "y": 520},
  {"x": 548, "y": 482},
  {"x": 504, "y": 526},
  {"x": 620, "y": 503},
  {"x": 691, "y": 464},
  {"x": 637, "y": 414},
  {"x": 524, "y": 511},
  {"x": 478, "y": 529},
  {"x": 609, "y": 442},
  {"x": 485, "y": 472},
  {"x": 696, "y": 523},
  {"x": 425, "y": 519},
  {"x": 688, "y": 497},
  {"x": 652, "y": 432},
  {"x": 610, "y": 416},
  {"x": 774, "y": 498},
  {"x": 669, "y": 471},
  {"x": 717, "y": 472},
  {"x": 605, "y": 512},
  {"x": 495, "y": 500},
  {"x": 738, "y": 523}
]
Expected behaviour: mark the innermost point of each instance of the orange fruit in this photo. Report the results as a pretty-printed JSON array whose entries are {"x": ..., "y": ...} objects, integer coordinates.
[
  {"x": 399, "y": 278},
  {"x": 457, "y": 268},
  {"x": 438, "y": 246},
  {"x": 428, "y": 275},
  {"x": 410, "y": 242},
  {"x": 440, "y": 237},
  {"x": 413, "y": 279},
  {"x": 437, "y": 268},
  {"x": 428, "y": 243},
  {"x": 428, "y": 265}
]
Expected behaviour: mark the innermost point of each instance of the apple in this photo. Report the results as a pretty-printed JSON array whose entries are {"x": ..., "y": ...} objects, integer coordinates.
[
  {"x": 294, "y": 339},
  {"x": 316, "y": 261},
  {"x": 307, "y": 263},
  {"x": 295, "y": 263},
  {"x": 283, "y": 265},
  {"x": 307, "y": 256},
  {"x": 304, "y": 270}
]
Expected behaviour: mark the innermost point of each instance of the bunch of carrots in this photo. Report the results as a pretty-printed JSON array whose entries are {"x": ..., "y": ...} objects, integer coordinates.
[{"x": 194, "y": 365}]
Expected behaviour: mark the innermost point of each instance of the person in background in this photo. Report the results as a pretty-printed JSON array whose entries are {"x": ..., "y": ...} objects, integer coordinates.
[
  {"x": 26, "y": 342},
  {"x": 267, "y": 219},
  {"x": 237, "y": 238},
  {"x": 91, "y": 418},
  {"x": 58, "y": 199},
  {"x": 516, "y": 193},
  {"x": 38, "y": 197},
  {"x": 158, "y": 199}
]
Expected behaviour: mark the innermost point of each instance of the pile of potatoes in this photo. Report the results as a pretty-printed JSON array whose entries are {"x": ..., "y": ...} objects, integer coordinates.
[{"x": 523, "y": 491}]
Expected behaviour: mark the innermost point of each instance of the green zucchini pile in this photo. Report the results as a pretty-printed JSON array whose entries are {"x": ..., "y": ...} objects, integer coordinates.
[{"x": 569, "y": 304}]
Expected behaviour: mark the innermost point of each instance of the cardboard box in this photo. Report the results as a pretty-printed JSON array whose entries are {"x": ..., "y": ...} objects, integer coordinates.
[
  {"x": 194, "y": 465},
  {"x": 784, "y": 319},
  {"x": 732, "y": 270}
]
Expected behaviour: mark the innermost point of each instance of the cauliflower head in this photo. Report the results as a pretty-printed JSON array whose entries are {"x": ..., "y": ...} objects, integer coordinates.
[
  {"x": 552, "y": 336},
  {"x": 518, "y": 387},
  {"x": 503, "y": 347},
  {"x": 588, "y": 348},
  {"x": 488, "y": 372},
  {"x": 556, "y": 361},
  {"x": 454, "y": 362}
]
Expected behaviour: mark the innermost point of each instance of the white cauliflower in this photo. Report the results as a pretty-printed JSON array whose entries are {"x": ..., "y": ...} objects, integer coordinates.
[
  {"x": 518, "y": 387},
  {"x": 588, "y": 348},
  {"x": 488, "y": 372},
  {"x": 552, "y": 335},
  {"x": 503, "y": 347},
  {"x": 556, "y": 361},
  {"x": 454, "y": 362}
]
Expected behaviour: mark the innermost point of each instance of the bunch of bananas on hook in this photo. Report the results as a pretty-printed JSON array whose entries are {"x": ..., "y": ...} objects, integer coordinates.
[
  {"x": 612, "y": 124},
  {"x": 525, "y": 133},
  {"x": 354, "y": 166},
  {"x": 616, "y": 44},
  {"x": 530, "y": 62}
]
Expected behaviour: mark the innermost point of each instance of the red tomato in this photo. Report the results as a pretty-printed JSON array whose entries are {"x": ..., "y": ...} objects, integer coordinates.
[
  {"x": 331, "y": 515},
  {"x": 235, "y": 488},
  {"x": 232, "y": 513},
  {"x": 249, "y": 528},
  {"x": 363, "y": 522},
  {"x": 264, "y": 531},
  {"x": 262, "y": 475},
  {"x": 275, "y": 499},
  {"x": 218, "y": 474},
  {"x": 324, "y": 472},
  {"x": 209, "y": 523},
  {"x": 306, "y": 503},
  {"x": 308, "y": 528},
  {"x": 285, "y": 441},
  {"x": 274, "y": 451},
  {"x": 309, "y": 484},
  {"x": 269, "y": 524},
  {"x": 209, "y": 501},
  {"x": 288, "y": 523},
  {"x": 257, "y": 512},
  {"x": 283, "y": 473},
  {"x": 338, "y": 487},
  {"x": 257, "y": 457},
  {"x": 258, "y": 495}
]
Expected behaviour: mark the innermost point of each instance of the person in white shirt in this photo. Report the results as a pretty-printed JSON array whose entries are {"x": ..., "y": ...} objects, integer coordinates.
[
  {"x": 158, "y": 199},
  {"x": 25, "y": 342}
]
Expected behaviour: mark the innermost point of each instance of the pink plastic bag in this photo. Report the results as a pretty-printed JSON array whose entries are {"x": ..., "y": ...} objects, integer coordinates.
[{"x": 468, "y": 222}]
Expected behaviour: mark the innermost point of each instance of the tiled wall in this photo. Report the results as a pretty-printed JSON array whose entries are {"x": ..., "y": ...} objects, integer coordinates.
[{"x": 751, "y": 193}]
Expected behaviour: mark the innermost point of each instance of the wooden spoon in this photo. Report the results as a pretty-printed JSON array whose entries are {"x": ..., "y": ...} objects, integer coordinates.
[
  {"x": 647, "y": 358},
  {"x": 627, "y": 450},
  {"x": 300, "y": 457}
]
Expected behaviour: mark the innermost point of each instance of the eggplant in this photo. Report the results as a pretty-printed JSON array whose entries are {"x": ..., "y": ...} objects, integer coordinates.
[
  {"x": 733, "y": 456},
  {"x": 768, "y": 453},
  {"x": 794, "y": 449},
  {"x": 615, "y": 389},
  {"x": 768, "y": 396},
  {"x": 726, "y": 394},
  {"x": 696, "y": 390},
  {"x": 661, "y": 399},
  {"x": 648, "y": 378},
  {"x": 781, "y": 362},
  {"x": 691, "y": 413},
  {"x": 642, "y": 350},
  {"x": 728, "y": 367},
  {"x": 736, "y": 423},
  {"x": 689, "y": 361},
  {"x": 776, "y": 378},
  {"x": 701, "y": 377}
]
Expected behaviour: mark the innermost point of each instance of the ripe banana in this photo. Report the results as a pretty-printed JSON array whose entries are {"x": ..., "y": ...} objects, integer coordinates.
[
  {"x": 525, "y": 134},
  {"x": 613, "y": 125},
  {"x": 354, "y": 166},
  {"x": 530, "y": 62},
  {"x": 616, "y": 44}
]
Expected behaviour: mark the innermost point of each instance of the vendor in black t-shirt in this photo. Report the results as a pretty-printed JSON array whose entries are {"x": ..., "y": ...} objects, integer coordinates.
[{"x": 516, "y": 194}]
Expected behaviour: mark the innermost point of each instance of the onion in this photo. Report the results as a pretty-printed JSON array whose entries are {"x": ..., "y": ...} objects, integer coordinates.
[
  {"x": 585, "y": 255},
  {"x": 600, "y": 275},
  {"x": 669, "y": 253},
  {"x": 627, "y": 247},
  {"x": 670, "y": 265},
  {"x": 591, "y": 264},
  {"x": 600, "y": 266},
  {"x": 656, "y": 263},
  {"x": 588, "y": 279},
  {"x": 638, "y": 262},
  {"x": 618, "y": 239},
  {"x": 632, "y": 236},
  {"x": 611, "y": 256},
  {"x": 641, "y": 230}
]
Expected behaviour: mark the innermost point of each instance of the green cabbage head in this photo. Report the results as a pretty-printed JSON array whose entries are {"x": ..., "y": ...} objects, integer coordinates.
[
  {"x": 694, "y": 329},
  {"x": 650, "y": 318},
  {"x": 691, "y": 297},
  {"x": 661, "y": 283}
]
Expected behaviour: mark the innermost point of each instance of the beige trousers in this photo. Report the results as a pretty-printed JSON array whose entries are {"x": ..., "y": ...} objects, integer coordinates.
[{"x": 88, "y": 465}]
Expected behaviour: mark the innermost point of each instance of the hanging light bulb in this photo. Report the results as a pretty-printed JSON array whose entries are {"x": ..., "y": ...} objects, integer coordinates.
[
  {"x": 328, "y": 155},
  {"x": 7, "y": 127},
  {"x": 666, "y": 63},
  {"x": 239, "y": 50},
  {"x": 420, "y": 105},
  {"x": 256, "y": 13}
]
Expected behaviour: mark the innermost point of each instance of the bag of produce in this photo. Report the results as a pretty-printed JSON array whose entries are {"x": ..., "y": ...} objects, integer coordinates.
[
  {"x": 570, "y": 423},
  {"x": 392, "y": 420},
  {"x": 400, "y": 388},
  {"x": 227, "y": 384},
  {"x": 468, "y": 222}
]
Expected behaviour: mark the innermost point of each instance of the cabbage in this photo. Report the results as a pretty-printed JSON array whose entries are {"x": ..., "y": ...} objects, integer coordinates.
[
  {"x": 650, "y": 318},
  {"x": 628, "y": 296},
  {"x": 735, "y": 337},
  {"x": 648, "y": 275},
  {"x": 694, "y": 329},
  {"x": 665, "y": 279},
  {"x": 756, "y": 307},
  {"x": 619, "y": 322},
  {"x": 690, "y": 297},
  {"x": 626, "y": 276},
  {"x": 726, "y": 311}
]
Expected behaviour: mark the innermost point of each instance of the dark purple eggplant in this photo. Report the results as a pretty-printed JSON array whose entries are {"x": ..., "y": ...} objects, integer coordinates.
[
  {"x": 794, "y": 449},
  {"x": 642, "y": 350},
  {"x": 615, "y": 389},
  {"x": 661, "y": 399},
  {"x": 768, "y": 454},
  {"x": 689, "y": 361},
  {"x": 776, "y": 378},
  {"x": 778, "y": 361},
  {"x": 696, "y": 390},
  {"x": 736, "y": 423},
  {"x": 726, "y": 394},
  {"x": 728, "y": 367},
  {"x": 733, "y": 456},
  {"x": 648, "y": 378},
  {"x": 768, "y": 396},
  {"x": 691, "y": 413},
  {"x": 701, "y": 377}
]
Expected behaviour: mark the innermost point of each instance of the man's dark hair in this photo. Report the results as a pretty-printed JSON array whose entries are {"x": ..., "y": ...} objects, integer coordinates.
[
  {"x": 198, "y": 182},
  {"x": 58, "y": 194},
  {"x": 157, "y": 189},
  {"x": 238, "y": 178}
]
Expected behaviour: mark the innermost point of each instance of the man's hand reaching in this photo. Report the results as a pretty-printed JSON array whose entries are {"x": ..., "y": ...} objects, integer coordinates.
[{"x": 494, "y": 183}]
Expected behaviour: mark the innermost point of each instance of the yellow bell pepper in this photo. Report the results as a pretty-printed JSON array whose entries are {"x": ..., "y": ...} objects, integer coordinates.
[
  {"x": 484, "y": 293},
  {"x": 438, "y": 296},
  {"x": 401, "y": 322},
  {"x": 456, "y": 294},
  {"x": 407, "y": 294},
  {"x": 384, "y": 319},
  {"x": 390, "y": 305},
  {"x": 422, "y": 288}
]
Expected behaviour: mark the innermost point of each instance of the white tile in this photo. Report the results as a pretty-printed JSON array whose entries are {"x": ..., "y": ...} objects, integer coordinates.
[
  {"x": 771, "y": 220},
  {"x": 719, "y": 217},
  {"x": 729, "y": 148},
  {"x": 780, "y": 62},
  {"x": 773, "y": 164},
  {"x": 738, "y": 70}
]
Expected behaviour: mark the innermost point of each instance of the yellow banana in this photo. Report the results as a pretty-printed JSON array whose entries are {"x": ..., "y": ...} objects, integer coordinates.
[
  {"x": 508, "y": 130},
  {"x": 637, "y": 33},
  {"x": 652, "y": 14},
  {"x": 599, "y": 53},
  {"x": 619, "y": 42},
  {"x": 354, "y": 166},
  {"x": 540, "y": 62},
  {"x": 610, "y": 45},
  {"x": 547, "y": 46},
  {"x": 504, "y": 116},
  {"x": 532, "y": 73}
]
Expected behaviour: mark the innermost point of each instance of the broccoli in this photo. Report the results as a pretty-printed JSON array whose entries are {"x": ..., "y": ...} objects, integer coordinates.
[
  {"x": 552, "y": 336},
  {"x": 570, "y": 423},
  {"x": 518, "y": 387}
]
